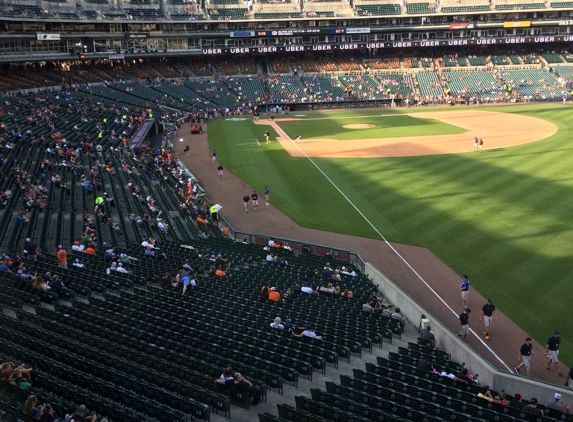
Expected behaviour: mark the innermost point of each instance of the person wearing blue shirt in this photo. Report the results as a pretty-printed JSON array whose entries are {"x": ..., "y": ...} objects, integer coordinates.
[{"x": 465, "y": 289}]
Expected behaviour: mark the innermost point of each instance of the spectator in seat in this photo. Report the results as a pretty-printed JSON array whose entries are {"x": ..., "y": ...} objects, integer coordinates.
[
  {"x": 296, "y": 286},
  {"x": 397, "y": 315},
  {"x": 279, "y": 261},
  {"x": 447, "y": 372},
  {"x": 265, "y": 290},
  {"x": 244, "y": 386},
  {"x": 80, "y": 415},
  {"x": 90, "y": 250},
  {"x": 516, "y": 402},
  {"x": 11, "y": 372},
  {"x": 120, "y": 269},
  {"x": 164, "y": 280},
  {"x": 309, "y": 332},
  {"x": 467, "y": 377},
  {"x": 39, "y": 284},
  {"x": 30, "y": 407},
  {"x": 4, "y": 267},
  {"x": 531, "y": 407},
  {"x": 557, "y": 404},
  {"x": 18, "y": 277},
  {"x": 78, "y": 264},
  {"x": 77, "y": 247},
  {"x": 297, "y": 328},
  {"x": 501, "y": 399},
  {"x": 274, "y": 294},
  {"x": 348, "y": 293},
  {"x": 277, "y": 324},
  {"x": 56, "y": 283},
  {"x": 306, "y": 289},
  {"x": 425, "y": 363},
  {"x": 48, "y": 414},
  {"x": 227, "y": 374},
  {"x": 429, "y": 336},
  {"x": 367, "y": 307},
  {"x": 485, "y": 394}
]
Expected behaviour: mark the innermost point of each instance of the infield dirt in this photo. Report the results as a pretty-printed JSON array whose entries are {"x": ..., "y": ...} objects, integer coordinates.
[{"x": 498, "y": 130}]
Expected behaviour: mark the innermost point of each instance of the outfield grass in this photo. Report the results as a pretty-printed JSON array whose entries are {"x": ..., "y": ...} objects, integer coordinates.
[
  {"x": 505, "y": 217},
  {"x": 387, "y": 125}
]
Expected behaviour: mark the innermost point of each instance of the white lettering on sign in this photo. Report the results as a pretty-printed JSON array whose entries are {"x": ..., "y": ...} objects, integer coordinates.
[
  {"x": 429, "y": 43},
  {"x": 457, "y": 42},
  {"x": 294, "y": 48},
  {"x": 239, "y": 50},
  {"x": 487, "y": 41},
  {"x": 212, "y": 51},
  {"x": 267, "y": 49},
  {"x": 321, "y": 47},
  {"x": 375, "y": 45},
  {"x": 514, "y": 40},
  {"x": 544, "y": 39},
  {"x": 348, "y": 46},
  {"x": 402, "y": 44}
]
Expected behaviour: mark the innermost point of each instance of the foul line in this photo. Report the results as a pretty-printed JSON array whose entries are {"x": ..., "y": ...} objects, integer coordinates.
[
  {"x": 255, "y": 139},
  {"x": 394, "y": 250}
]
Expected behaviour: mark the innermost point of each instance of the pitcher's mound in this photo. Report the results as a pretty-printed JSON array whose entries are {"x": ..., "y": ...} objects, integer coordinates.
[{"x": 359, "y": 126}]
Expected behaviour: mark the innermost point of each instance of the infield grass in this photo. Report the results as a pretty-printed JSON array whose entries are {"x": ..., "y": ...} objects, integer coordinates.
[
  {"x": 387, "y": 125},
  {"x": 505, "y": 217}
]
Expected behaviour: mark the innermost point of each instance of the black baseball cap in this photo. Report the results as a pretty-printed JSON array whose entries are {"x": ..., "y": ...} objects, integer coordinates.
[
  {"x": 489, "y": 300},
  {"x": 556, "y": 332}
]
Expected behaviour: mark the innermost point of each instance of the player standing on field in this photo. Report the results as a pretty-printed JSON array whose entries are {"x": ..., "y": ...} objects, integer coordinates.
[
  {"x": 525, "y": 353},
  {"x": 246, "y": 200},
  {"x": 255, "y": 199},
  {"x": 552, "y": 351},
  {"x": 267, "y": 194},
  {"x": 214, "y": 156},
  {"x": 465, "y": 289},
  {"x": 464, "y": 320},
  {"x": 487, "y": 313}
]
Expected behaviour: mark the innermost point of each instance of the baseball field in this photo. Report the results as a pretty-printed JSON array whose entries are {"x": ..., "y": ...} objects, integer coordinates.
[{"x": 504, "y": 216}]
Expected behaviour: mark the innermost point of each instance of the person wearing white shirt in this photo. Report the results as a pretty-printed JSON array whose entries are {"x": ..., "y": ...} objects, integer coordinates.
[
  {"x": 77, "y": 247},
  {"x": 271, "y": 242},
  {"x": 277, "y": 324},
  {"x": 306, "y": 289},
  {"x": 348, "y": 271},
  {"x": 309, "y": 332},
  {"x": 78, "y": 264},
  {"x": 270, "y": 258},
  {"x": 145, "y": 244},
  {"x": 120, "y": 269}
]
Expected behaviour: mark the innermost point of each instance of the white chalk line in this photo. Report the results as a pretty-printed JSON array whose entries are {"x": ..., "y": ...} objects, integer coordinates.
[{"x": 287, "y": 138}]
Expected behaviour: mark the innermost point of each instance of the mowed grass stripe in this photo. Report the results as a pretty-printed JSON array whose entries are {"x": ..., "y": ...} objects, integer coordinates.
[
  {"x": 384, "y": 126},
  {"x": 296, "y": 186},
  {"x": 503, "y": 217}
]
